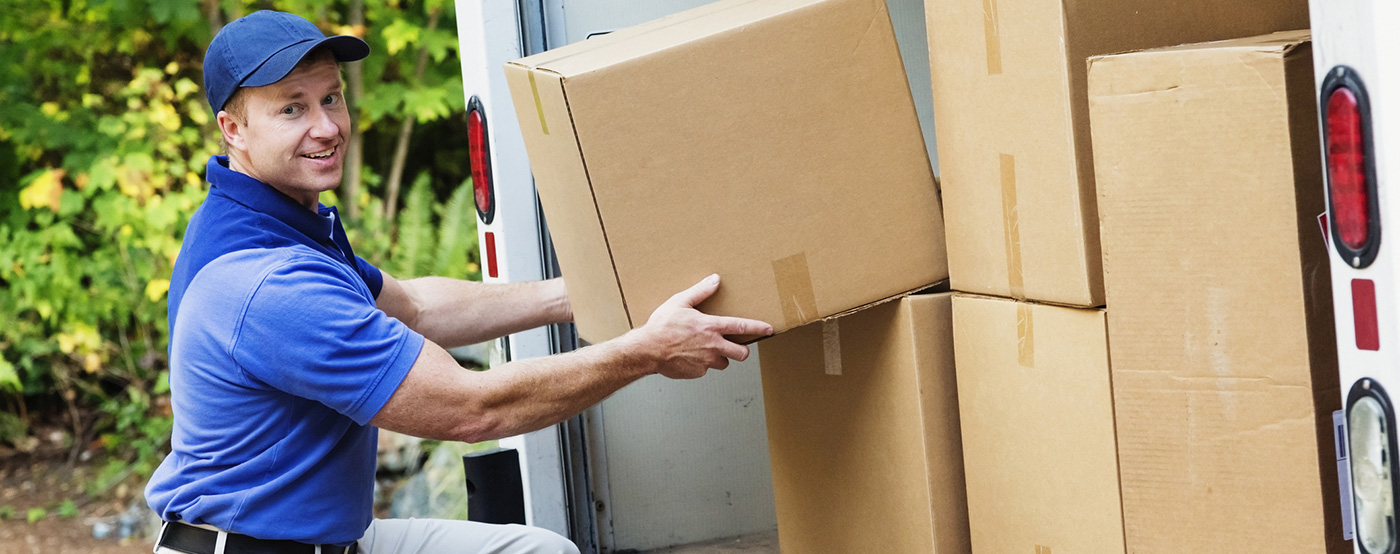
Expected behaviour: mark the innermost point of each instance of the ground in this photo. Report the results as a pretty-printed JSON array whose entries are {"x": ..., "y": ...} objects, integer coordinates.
[{"x": 45, "y": 481}]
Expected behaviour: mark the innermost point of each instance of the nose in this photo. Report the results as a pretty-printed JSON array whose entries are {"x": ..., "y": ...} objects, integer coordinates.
[{"x": 324, "y": 125}]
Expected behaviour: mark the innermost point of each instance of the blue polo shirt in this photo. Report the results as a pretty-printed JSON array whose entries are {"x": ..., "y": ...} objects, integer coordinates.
[{"x": 278, "y": 360}]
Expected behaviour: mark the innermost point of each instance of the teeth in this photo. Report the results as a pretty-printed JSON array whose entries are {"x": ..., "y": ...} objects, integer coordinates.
[{"x": 321, "y": 155}]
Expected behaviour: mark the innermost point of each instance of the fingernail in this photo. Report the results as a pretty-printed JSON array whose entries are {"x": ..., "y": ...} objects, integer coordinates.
[{"x": 713, "y": 278}]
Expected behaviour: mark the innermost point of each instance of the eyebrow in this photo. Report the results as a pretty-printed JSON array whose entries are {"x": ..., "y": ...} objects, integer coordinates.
[{"x": 299, "y": 94}]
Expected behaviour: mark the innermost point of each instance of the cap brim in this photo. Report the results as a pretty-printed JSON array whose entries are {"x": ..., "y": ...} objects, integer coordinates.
[{"x": 345, "y": 47}]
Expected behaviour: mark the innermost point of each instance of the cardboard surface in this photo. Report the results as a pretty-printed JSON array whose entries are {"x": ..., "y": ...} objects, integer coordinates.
[
  {"x": 772, "y": 142},
  {"x": 1012, "y": 124},
  {"x": 1037, "y": 427},
  {"x": 1220, "y": 318},
  {"x": 863, "y": 432}
]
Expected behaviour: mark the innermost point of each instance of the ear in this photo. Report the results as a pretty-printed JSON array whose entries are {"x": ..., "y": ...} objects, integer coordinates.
[{"x": 233, "y": 130}]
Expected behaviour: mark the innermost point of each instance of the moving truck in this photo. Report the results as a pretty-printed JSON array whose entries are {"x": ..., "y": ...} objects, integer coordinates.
[
  {"x": 1355, "y": 85},
  {"x": 661, "y": 463}
]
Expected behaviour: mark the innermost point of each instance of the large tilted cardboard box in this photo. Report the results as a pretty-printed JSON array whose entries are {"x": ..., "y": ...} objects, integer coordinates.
[
  {"x": 1013, "y": 127},
  {"x": 773, "y": 142},
  {"x": 1037, "y": 427},
  {"x": 1220, "y": 317},
  {"x": 863, "y": 432}
]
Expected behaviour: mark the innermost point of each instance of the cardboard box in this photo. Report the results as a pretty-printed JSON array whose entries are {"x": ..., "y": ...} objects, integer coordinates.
[
  {"x": 773, "y": 142},
  {"x": 1037, "y": 427},
  {"x": 1013, "y": 127},
  {"x": 1224, "y": 355},
  {"x": 863, "y": 432}
]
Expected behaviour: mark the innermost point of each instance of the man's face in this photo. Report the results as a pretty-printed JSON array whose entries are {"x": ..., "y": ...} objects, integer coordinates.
[{"x": 293, "y": 132}]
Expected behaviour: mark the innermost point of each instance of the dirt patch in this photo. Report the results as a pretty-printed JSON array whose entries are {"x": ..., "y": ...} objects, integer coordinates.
[{"x": 45, "y": 481}]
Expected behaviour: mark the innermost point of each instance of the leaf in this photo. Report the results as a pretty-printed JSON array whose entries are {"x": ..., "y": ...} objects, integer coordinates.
[
  {"x": 9, "y": 378},
  {"x": 162, "y": 386},
  {"x": 457, "y": 231},
  {"x": 35, "y": 514},
  {"x": 157, "y": 288},
  {"x": 68, "y": 509},
  {"x": 412, "y": 255},
  {"x": 399, "y": 35},
  {"x": 45, "y": 191}
]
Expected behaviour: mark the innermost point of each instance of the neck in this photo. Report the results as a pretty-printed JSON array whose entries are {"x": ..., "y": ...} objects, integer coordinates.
[{"x": 308, "y": 200}]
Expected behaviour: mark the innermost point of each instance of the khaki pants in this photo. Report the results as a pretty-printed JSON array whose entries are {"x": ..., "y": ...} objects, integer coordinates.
[{"x": 443, "y": 536}]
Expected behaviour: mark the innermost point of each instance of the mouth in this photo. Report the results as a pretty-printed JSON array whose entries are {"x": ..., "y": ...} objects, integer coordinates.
[{"x": 320, "y": 155}]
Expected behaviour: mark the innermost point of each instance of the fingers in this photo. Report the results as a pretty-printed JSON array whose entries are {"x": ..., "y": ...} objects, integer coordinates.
[
  {"x": 733, "y": 351},
  {"x": 697, "y": 293},
  {"x": 740, "y": 326}
]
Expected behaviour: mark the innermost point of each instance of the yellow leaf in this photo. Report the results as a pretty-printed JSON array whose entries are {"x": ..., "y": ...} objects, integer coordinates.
[
  {"x": 81, "y": 180},
  {"x": 126, "y": 231},
  {"x": 49, "y": 108},
  {"x": 167, "y": 117},
  {"x": 157, "y": 288},
  {"x": 172, "y": 68},
  {"x": 67, "y": 343},
  {"x": 45, "y": 191},
  {"x": 92, "y": 362}
]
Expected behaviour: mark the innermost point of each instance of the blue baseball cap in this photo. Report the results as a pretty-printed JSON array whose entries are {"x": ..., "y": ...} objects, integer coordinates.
[{"x": 261, "y": 48}]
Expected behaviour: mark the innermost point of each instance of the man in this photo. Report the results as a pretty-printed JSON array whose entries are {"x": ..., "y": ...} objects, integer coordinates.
[{"x": 288, "y": 351}]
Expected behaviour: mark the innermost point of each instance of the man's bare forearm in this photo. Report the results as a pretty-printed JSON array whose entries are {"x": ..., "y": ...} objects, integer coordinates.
[
  {"x": 452, "y": 312},
  {"x": 440, "y": 400}
]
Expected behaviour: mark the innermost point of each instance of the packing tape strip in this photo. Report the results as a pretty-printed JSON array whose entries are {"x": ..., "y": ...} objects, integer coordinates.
[
  {"x": 1025, "y": 336},
  {"x": 993, "y": 26},
  {"x": 1040, "y": 549},
  {"x": 539, "y": 106},
  {"x": 795, "y": 290},
  {"x": 831, "y": 347},
  {"x": 1011, "y": 218}
]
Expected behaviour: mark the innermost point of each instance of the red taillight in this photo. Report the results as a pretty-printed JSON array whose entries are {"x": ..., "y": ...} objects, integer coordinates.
[
  {"x": 1346, "y": 169},
  {"x": 479, "y": 150}
]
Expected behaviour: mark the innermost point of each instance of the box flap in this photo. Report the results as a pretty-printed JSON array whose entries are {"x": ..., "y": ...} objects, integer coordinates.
[{"x": 647, "y": 39}]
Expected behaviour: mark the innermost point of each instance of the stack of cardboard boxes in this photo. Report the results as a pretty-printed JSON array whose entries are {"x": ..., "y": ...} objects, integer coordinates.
[
  {"x": 1163, "y": 388},
  {"x": 1195, "y": 418}
]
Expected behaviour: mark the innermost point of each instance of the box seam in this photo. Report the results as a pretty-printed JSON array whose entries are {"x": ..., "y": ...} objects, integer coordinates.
[{"x": 602, "y": 226}]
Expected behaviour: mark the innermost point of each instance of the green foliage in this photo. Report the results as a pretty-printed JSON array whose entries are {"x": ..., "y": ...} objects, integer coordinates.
[
  {"x": 7, "y": 512},
  {"x": 68, "y": 509},
  {"x": 13, "y": 429},
  {"x": 104, "y": 136},
  {"x": 34, "y": 515}
]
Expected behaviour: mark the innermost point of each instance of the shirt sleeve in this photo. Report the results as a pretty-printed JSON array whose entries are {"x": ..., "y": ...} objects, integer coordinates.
[
  {"x": 310, "y": 331},
  {"x": 374, "y": 279}
]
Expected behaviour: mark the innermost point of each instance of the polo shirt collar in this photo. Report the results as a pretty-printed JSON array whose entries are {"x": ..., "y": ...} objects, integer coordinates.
[{"x": 323, "y": 226}]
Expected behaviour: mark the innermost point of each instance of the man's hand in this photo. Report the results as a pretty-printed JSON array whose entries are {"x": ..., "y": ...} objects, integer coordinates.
[{"x": 687, "y": 343}]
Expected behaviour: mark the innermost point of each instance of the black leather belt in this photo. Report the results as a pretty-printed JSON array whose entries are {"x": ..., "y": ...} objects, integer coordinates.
[{"x": 189, "y": 539}]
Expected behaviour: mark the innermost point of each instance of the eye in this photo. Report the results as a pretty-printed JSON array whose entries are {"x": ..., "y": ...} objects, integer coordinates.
[
  {"x": 291, "y": 109},
  {"x": 331, "y": 99}
]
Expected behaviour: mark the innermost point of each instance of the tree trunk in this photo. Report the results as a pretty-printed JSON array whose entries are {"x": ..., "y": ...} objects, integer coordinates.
[
  {"x": 216, "y": 15},
  {"x": 355, "y": 150},
  {"x": 391, "y": 195}
]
